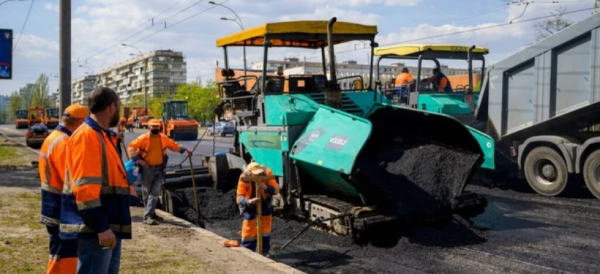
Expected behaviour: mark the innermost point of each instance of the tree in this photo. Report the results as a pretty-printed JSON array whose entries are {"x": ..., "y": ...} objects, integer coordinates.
[
  {"x": 202, "y": 99},
  {"x": 40, "y": 96},
  {"x": 14, "y": 104},
  {"x": 155, "y": 105},
  {"x": 3, "y": 116},
  {"x": 552, "y": 25}
]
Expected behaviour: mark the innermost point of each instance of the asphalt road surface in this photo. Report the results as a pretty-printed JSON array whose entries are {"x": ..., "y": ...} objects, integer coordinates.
[
  {"x": 519, "y": 232},
  {"x": 205, "y": 147}
]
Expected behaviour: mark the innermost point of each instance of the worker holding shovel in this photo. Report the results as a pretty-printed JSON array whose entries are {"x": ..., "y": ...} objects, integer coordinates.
[
  {"x": 150, "y": 152},
  {"x": 256, "y": 180}
]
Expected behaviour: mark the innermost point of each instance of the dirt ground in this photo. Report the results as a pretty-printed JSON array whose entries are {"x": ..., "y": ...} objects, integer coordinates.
[{"x": 172, "y": 247}]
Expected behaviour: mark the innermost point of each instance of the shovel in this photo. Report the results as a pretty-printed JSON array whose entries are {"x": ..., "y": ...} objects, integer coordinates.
[{"x": 198, "y": 222}]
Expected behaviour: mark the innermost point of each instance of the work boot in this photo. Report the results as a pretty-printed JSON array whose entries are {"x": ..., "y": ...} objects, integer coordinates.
[
  {"x": 148, "y": 220},
  {"x": 158, "y": 218}
]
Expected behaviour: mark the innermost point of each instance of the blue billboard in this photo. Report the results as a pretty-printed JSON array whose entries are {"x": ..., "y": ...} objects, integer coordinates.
[{"x": 6, "y": 53}]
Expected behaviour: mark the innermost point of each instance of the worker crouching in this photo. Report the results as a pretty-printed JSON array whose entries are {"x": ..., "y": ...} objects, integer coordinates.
[
  {"x": 150, "y": 152},
  {"x": 247, "y": 201}
]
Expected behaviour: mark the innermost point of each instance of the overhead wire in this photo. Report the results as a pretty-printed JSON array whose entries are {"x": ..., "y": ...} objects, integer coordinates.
[
  {"x": 166, "y": 27},
  {"x": 118, "y": 43},
  {"x": 458, "y": 32},
  {"x": 363, "y": 46},
  {"x": 24, "y": 24}
]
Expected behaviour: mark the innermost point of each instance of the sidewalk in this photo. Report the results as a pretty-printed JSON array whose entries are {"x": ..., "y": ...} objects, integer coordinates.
[{"x": 175, "y": 246}]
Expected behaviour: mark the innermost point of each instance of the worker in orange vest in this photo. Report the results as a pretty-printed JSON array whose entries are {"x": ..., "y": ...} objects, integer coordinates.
[
  {"x": 440, "y": 82},
  {"x": 404, "y": 78},
  {"x": 150, "y": 152},
  {"x": 95, "y": 201},
  {"x": 52, "y": 162},
  {"x": 247, "y": 200}
]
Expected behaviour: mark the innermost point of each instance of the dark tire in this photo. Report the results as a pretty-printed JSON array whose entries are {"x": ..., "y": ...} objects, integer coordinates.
[
  {"x": 546, "y": 171},
  {"x": 591, "y": 173}
]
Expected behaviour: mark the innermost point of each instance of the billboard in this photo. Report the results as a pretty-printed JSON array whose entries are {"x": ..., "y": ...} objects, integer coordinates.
[{"x": 6, "y": 53}]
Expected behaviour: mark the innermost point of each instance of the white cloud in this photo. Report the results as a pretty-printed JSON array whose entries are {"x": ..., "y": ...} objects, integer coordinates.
[
  {"x": 33, "y": 47},
  {"x": 326, "y": 12},
  {"x": 50, "y": 6}
]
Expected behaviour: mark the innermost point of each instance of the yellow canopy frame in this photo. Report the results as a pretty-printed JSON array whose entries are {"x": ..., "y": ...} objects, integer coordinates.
[{"x": 303, "y": 34}]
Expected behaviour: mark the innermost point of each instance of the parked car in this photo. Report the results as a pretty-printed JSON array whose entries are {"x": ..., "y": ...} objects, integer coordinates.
[{"x": 221, "y": 128}]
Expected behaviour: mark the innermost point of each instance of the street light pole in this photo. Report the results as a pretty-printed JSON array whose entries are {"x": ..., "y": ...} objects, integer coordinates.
[
  {"x": 145, "y": 76},
  {"x": 65, "y": 55},
  {"x": 241, "y": 24}
]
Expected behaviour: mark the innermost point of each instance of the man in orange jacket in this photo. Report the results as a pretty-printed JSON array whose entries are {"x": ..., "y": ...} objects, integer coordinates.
[
  {"x": 52, "y": 162},
  {"x": 95, "y": 201},
  {"x": 150, "y": 152},
  {"x": 440, "y": 82},
  {"x": 247, "y": 200}
]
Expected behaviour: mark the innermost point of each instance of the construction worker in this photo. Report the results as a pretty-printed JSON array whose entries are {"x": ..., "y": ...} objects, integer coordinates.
[
  {"x": 247, "y": 200},
  {"x": 122, "y": 124},
  {"x": 440, "y": 82},
  {"x": 150, "y": 152},
  {"x": 52, "y": 161},
  {"x": 404, "y": 78},
  {"x": 95, "y": 201}
]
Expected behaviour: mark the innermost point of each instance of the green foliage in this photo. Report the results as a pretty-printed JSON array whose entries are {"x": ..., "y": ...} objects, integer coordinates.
[
  {"x": 14, "y": 103},
  {"x": 552, "y": 25},
  {"x": 477, "y": 87},
  {"x": 202, "y": 99},
  {"x": 155, "y": 105},
  {"x": 40, "y": 97},
  {"x": 137, "y": 101}
]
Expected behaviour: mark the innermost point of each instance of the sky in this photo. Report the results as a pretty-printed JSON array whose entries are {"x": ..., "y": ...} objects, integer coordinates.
[{"x": 99, "y": 27}]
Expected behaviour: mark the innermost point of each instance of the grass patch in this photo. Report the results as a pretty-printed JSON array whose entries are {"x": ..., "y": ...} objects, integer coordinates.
[
  {"x": 28, "y": 248},
  {"x": 7, "y": 151},
  {"x": 12, "y": 156}
]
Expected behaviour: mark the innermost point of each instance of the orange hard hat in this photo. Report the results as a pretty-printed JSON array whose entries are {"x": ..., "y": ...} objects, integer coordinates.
[
  {"x": 76, "y": 111},
  {"x": 154, "y": 122}
]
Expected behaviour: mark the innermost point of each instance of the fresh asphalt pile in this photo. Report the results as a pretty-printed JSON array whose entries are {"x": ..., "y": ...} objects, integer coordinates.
[{"x": 421, "y": 179}]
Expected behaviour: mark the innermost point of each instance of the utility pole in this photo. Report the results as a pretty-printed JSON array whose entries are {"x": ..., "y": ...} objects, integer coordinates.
[{"x": 65, "y": 55}]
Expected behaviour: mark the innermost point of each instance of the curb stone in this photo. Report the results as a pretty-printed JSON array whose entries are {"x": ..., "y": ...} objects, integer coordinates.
[{"x": 246, "y": 252}]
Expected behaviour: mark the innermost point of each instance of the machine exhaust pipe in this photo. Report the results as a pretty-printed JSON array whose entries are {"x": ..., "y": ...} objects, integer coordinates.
[
  {"x": 333, "y": 96},
  {"x": 469, "y": 98}
]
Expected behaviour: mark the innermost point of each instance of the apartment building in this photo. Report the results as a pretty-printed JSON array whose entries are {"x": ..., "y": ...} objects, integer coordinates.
[
  {"x": 157, "y": 72},
  {"x": 350, "y": 68},
  {"x": 81, "y": 89}
]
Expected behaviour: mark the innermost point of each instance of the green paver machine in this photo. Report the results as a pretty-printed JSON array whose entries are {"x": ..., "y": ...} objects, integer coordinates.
[
  {"x": 460, "y": 103},
  {"x": 346, "y": 157}
]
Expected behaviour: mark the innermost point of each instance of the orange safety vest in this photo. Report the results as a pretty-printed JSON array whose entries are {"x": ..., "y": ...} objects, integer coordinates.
[
  {"x": 51, "y": 167},
  {"x": 403, "y": 79},
  {"x": 244, "y": 189},
  {"x": 139, "y": 147},
  {"x": 245, "y": 192},
  {"x": 96, "y": 197}
]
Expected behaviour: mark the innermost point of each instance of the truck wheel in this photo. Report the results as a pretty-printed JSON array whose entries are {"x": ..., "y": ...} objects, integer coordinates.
[
  {"x": 591, "y": 173},
  {"x": 546, "y": 171}
]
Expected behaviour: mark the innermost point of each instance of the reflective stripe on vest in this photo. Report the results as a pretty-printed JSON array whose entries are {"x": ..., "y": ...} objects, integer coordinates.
[
  {"x": 83, "y": 228},
  {"x": 46, "y": 186}
]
